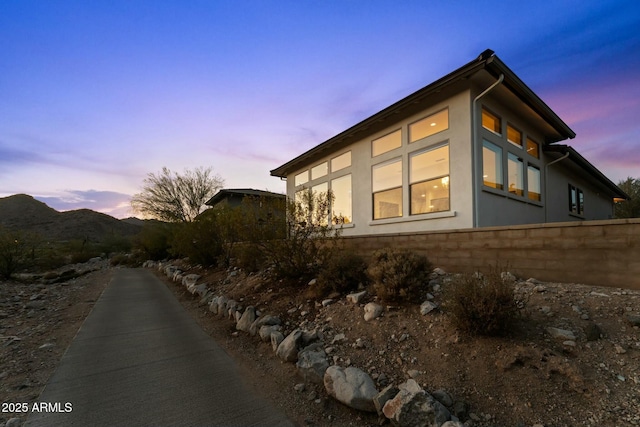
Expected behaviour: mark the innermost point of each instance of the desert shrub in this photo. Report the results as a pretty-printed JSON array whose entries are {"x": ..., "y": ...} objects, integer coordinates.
[
  {"x": 399, "y": 275},
  {"x": 81, "y": 250},
  {"x": 249, "y": 257},
  {"x": 200, "y": 241},
  {"x": 343, "y": 272},
  {"x": 153, "y": 240},
  {"x": 482, "y": 304}
]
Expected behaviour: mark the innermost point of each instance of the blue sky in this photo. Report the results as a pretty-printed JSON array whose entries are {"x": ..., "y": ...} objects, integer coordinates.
[{"x": 94, "y": 95}]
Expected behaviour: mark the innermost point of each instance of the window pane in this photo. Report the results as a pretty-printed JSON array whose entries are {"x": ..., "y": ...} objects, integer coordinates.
[
  {"x": 387, "y": 204},
  {"x": 514, "y": 136},
  {"x": 573, "y": 199},
  {"x": 580, "y": 202},
  {"x": 430, "y": 196},
  {"x": 387, "y": 175},
  {"x": 533, "y": 182},
  {"x": 516, "y": 177},
  {"x": 319, "y": 195},
  {"x": 386, "y": 143},
  {"x": 429, "y": 125},
  {"x": 301, "y": 178},
  {"x": 491, "y": 121},
  {"x": 341, "y": 162},
  {"x": 533, "y": 148},
  {"x": 318, "y": 171},
  {"x": 341, "y": 208},
  {"x": 429, "y": 164},
  {"x": 492, "y": 165}
]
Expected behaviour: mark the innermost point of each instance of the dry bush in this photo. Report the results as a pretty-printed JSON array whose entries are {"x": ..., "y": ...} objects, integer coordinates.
[
  {"x": 482, "y": 304},
  {"x": 342, "y": 272},
  {"x": 399, "y": 275}
]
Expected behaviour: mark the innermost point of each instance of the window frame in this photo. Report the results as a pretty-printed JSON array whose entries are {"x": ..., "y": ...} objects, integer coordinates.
[
  {"x": 414, "y": 182},
  {"x": 387, "y": 189},
  {"x": 424, "y": 119}
]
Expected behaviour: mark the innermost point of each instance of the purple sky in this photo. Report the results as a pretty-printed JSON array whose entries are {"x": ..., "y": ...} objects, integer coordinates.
[{"x": 94, "y": 95}]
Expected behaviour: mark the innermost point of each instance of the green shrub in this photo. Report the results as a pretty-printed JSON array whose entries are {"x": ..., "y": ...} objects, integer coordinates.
[
  {"x": 248, "y": 257},
  {"x": 482, "y": 304},
  {"x": 399, "y": 275},
  {"x": 343, "y": 272}
]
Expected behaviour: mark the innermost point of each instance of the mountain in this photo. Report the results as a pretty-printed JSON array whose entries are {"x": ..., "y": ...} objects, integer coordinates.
[{"x": 23, "y": 212}]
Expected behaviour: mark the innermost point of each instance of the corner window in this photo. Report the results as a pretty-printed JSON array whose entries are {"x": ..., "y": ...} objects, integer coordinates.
[
  {"x": 387, "y": 189},
  {"x": 515, "y": 168},
  {"x": 429, "y": 125},
  {"x": 514, "y": 136},
  {"x": 320, "y": 193},
  {"x": 386, "y": 143},
  {"x": 533, "y": 149},
  {"x": 533, "y": 184},
  {"x": 429, "y": 180},
  {"x": 491, "y": 122},
  {"x": 340, "y": 162},
  {"x": 576, "y": 200},
  {"x": 492, "y": 165}
]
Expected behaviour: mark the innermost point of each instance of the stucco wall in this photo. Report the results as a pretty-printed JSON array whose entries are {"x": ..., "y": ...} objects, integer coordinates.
[{"x": 599, "y": 253}]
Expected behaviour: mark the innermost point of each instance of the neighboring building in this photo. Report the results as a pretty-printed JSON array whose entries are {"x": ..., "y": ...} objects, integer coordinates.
[
  {"x": 475, "y": 148},
  {"x": 234, "y": 197}
]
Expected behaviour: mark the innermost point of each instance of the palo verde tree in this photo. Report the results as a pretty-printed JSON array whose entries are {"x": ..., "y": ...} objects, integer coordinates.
[
  {"x": 174, "y": 197},
  {"x": 629, "y": 208}
]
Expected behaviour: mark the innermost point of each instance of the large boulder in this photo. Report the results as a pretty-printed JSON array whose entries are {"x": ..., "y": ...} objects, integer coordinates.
[
  {"x": 266, "y": 320},
  {"x": 413, "y": 406},
  {"x": 190, "y": 280},
  {"x": 266, "y": 331},
  {"x": 351, "y": 386}
]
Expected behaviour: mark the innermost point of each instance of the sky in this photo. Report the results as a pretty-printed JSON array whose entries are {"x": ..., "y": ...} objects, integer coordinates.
[{"x": 95, "y": 95}]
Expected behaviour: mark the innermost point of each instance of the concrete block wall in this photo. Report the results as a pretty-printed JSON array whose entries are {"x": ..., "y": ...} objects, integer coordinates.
[{"x": 599, "y": 253}]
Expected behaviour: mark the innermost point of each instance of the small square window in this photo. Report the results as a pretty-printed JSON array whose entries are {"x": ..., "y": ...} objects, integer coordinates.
[
  {"x": 301, "y": 178},
  {"x": 319, "y": 171},
  {"x": 491, "y": 122}
]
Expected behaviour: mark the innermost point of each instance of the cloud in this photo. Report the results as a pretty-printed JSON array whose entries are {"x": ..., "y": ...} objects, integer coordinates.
[{"x": 108, "y": 202}]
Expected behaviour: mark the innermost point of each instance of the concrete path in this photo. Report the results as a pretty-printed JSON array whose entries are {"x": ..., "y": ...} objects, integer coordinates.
[{"x": 139, "y": 359}]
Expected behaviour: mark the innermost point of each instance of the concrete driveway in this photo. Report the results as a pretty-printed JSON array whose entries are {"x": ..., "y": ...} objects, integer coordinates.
[{"x": 139, "y": 359}]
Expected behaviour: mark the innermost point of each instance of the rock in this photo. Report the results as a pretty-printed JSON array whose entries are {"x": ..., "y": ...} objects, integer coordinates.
[
  {"x": 276, "y": 339},
  {"x": 36, "y": 304},
  {"x": 247, "y": 319},
  {"x": 46, "y": 345},
  {"x": 266, "y": 331},
  {"x": 357, "y": 297},
  {"x": 266, "y": 320},
  {"x": 222, "y": 305},
  {"x": 190, "y": 280},
  {"x": 539, "y": 288},
  {"x": 13, "y": 422},
  {"x": 427, "y": 307},
  {"x": 213, "y": 305},
  {"x": 593, "y": 332},
  {"x": 633, "y": 319},
  {"x": 198, "y": 289},
  {"x": 385, "y": 395},
  {"x": 338, "y": 338},
  {"x": 288, "y": 348},
  {"x": 443, "y": 397},
  {"x": 327, "y": 302},
  {"x": 413, "y": 406},
  {"x": 508, "y": 277},
  {"x": 460, "y": 409},
  {"x": 453, "y": 424},
  {"x": 562, "y": 334},
  {"x": 351, "y": 386},
  {"x": 312, "y": 364},
  {"x": 439, "y": 271},
  {"x": 372, "y": 311}
]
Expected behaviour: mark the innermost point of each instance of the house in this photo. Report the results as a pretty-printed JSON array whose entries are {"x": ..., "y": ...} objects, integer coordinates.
[
  {"x": 476, "y": 148},
  {"x": 233, "y": 197}
]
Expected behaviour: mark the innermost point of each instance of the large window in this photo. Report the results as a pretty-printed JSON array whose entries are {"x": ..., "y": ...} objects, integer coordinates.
[
  {"x": 515, "y": 168},
  {"x": 386, "y": 143},
  {"x": 387, "y": 189},
  {"x": 429, "y": 125},
  {"x": 429, "y": 180},
  {"x": 320, "y": 192},
  {"x": 492, "y": 165},
  {"x": 341, "y": 206}
]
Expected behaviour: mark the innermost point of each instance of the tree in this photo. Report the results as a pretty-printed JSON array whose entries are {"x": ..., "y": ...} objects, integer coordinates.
[
  {"x": 16, "y": 250},
  {"x": 629, "y": 208},
  {"x": 173, "y": 197}
]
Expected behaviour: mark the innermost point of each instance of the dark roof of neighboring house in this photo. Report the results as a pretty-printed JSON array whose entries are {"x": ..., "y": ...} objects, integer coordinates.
[
  {"x": 228, "y": 192},
  {"x": 486, "y": 61},
  {"x": 588, "y": 167}
]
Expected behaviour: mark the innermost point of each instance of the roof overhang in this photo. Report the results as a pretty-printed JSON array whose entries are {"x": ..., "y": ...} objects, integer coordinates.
[
  {"x": 243, "y": 192},
  {"x": 486, "y": 61},
  {"x": 588, "y": 167}
]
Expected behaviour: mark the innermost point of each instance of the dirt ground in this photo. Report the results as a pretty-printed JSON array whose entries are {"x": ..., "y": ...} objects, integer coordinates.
[{"x": 527, "y": 378}]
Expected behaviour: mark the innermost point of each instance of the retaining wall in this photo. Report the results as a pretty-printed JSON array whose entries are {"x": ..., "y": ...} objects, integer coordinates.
[{"x": 599, "y": 253}]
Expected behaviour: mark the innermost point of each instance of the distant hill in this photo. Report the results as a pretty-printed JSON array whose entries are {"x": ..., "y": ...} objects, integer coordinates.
[{"x": 23, "y": 212}]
